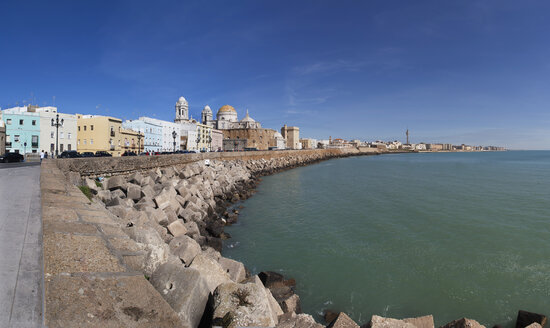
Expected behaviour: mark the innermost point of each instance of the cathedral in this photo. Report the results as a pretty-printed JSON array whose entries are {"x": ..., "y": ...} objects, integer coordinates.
[{"x": 226, "y": 119}]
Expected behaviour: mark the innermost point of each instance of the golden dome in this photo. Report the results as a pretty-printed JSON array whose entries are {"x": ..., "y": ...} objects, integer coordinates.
[{"x": 227, "y": 109}]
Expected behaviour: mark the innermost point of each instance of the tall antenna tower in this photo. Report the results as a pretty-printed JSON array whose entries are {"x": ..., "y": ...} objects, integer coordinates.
[{"x": 407, "y": 133}]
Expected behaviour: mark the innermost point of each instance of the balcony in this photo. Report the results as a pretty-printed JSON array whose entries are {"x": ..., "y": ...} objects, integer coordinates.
[
  {"x": 8, "y": 144},
  {"x": 112, "y": 147}
]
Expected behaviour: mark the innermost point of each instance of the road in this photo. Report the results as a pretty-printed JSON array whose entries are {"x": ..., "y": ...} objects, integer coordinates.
[{"x": 21, "y": 266}]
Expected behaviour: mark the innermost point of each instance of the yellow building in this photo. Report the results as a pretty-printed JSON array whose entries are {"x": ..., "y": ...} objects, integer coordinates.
[
  {"x": 104, "y": 133},
  {"x": 204, "y": 137}
]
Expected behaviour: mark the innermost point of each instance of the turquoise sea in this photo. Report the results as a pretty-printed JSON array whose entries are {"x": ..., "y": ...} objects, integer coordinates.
[{"x": 448, "y": 234}]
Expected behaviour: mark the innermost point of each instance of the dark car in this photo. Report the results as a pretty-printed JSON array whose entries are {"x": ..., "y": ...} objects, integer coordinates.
[
  {"x": 70, "y": 154},
  {"x": 11, "y": 158},
  {"x": 102, "y": 153},
  {"x": 129, "y": 153},
  {"x": 87, "y": 154}
]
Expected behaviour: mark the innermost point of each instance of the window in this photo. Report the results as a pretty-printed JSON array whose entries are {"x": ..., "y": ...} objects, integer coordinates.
[
  {"x": 84, "y": 127},
  {"x": 61, "y": 135},
  {"x": 35, "y": 141},
  {"x": 52, "y": 134},
  {"x": 60, "y": 147},
  {"x": 69, "y": 147},
  {"x": 8, "y": 121},
  {"x": 77, "y": 142},
  {"x": 16, "y": 138},
  {"x": 52, "y": 148},
  {"x": 79, "y": 128},
  {"x": 68, "y": 136},
  {"x": 91, "y": 141},
  {"x": 21, "y": 122},
  {"x": 33, "y": 122},
  {"x": 84, "y": 141},
  {"x": 91, "y": 127}
]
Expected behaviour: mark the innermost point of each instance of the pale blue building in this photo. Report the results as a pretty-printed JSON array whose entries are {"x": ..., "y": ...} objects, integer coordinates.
[
  {"x": 152, "y": 133},
  {"x": 22, "y": 132}
]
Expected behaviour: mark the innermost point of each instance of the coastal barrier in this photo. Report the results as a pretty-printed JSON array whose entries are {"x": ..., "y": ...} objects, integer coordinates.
[{"x": 144, "y": 249}]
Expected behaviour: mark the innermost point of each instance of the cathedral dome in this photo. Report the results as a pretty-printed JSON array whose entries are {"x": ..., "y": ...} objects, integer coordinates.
[
  {"x": 207, "y": 109},
  {"x": 182, "y": 100},
  {"x": 227, "y": 109},
  {"x": 247, "y": 118}
]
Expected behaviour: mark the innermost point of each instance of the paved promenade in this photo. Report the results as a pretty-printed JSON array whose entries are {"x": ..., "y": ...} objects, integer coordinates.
[{"x": 21, "y": 269}]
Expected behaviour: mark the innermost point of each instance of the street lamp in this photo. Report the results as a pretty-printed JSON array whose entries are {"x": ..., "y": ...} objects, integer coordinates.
[
  {"x": 198, "y": 141},
  {"x": 57, "y": 124},
  {"x": 174, "y": 134},
  {"x": 25, "y": 151}
]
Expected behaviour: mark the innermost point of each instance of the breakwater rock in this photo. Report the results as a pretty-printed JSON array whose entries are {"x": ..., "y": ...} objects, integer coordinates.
[{"x": 176, "y": 216}]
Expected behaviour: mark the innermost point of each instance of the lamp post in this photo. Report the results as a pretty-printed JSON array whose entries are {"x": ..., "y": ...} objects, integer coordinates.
[
  {"x": 57, "y": 124},
  {"x": 25, "y": 151},
  {"x": 174, "y": 134},
  {"x": 198, "y": 141},
  {"x": 139, "y": 144}
]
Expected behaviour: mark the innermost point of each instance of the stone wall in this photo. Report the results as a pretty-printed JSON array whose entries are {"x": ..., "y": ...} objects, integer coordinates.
[{"x": 99, "y": 166}]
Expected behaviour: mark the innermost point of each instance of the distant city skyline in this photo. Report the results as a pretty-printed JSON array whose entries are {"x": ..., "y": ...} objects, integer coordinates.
[{"x": 451, "y": 72}]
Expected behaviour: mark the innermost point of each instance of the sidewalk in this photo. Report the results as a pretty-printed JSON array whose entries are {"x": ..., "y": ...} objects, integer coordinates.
[{"x": 21, "y": 266}]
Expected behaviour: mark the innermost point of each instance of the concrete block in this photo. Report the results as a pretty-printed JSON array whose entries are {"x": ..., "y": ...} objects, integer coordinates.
[
  {"x": 185, "y": 248},
  {"x": 177, "y": 228},
  {"x": 235, "y": 269},
  {"x": 133, "y": 191}
]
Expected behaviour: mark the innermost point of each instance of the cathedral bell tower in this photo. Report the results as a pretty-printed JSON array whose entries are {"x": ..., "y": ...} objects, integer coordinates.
[{"x": 182, "y": 111}]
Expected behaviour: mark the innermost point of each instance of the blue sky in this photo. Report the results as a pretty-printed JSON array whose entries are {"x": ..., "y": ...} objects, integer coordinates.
[{"x": 450, "y": 71}]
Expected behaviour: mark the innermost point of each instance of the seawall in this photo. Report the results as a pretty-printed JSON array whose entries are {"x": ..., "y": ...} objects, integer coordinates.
[
  {"x": 100, "y": 254},
  {"x": 92, "y": 167}
]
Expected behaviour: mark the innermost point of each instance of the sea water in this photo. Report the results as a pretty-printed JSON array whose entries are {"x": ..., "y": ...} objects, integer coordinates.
[{"x": 449, "y": 234}]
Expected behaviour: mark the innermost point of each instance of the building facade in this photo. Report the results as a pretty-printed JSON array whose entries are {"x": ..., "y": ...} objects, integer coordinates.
[
  {"x": 152, "y": 134},
  {"x": 188, "y": 135},
  {"x": 234, "y": 144},
  {"x": 131, "y": 141},
  {"x": 217, "y": 140},
  {"x": 2, "y": 137},
  {"x": 308, "y": 143},
  {"x": 66, "y": 133},
  {"x": 260, "y": 139},
  {"x": 204, "y": 137},
  {"x": 280, "y": 143},
  {"x": 22, "y": 130},
  {"x": 99, "y": 133},
  {"x": 292, "y": 136},
  {"x": 168, "y": 129}
]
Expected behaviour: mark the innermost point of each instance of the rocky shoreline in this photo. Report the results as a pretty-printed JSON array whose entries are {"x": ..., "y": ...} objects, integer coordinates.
[{"x": 177, "y": 214}]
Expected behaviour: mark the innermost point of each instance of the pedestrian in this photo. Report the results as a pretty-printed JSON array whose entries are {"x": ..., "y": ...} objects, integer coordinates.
[
  {"x": 41, "y": 155},
  {"x": 46, "y": 155}
]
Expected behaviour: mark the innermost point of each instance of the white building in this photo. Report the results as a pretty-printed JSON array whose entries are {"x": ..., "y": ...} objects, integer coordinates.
[
  {"x": 167, "y": 128},
  {"x": 66, "y": 135},
  {"x": 280, "y": 141},
  {"x": 188, "y": 132}
]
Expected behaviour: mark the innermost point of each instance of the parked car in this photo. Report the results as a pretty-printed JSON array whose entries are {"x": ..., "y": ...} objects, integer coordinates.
[
  {"x": 11, "y": 158},
  {"x": 70, "y": 154},
  {"x": 129, "y": 153},
  {"x": 102, "y": 153},
  {"x": 87, "y": 154}
]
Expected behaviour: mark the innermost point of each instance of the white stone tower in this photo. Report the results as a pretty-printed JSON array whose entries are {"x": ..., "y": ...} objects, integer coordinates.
[
  {"x": 182, "y": 111},
  {"x": 206, "y": 115}
]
